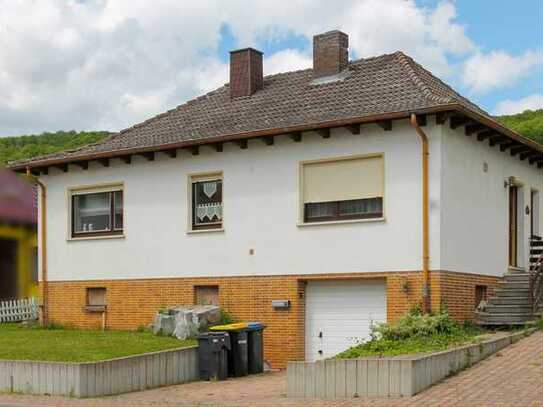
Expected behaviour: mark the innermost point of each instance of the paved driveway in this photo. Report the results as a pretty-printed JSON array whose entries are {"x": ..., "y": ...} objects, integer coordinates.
[{"x": 513, "y": 377}]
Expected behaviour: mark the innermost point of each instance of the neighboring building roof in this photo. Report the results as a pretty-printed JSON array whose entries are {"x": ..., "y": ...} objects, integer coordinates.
[
  {"x": 17, "y": 199},
  {"x": 392, "y": 85}
]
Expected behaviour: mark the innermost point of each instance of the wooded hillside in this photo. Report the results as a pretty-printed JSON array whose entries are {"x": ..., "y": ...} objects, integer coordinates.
[
  {"x": 528, "y": 123},
  {"x": 22, "y": 147}
]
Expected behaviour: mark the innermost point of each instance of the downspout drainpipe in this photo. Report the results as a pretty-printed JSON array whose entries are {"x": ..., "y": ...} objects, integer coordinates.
[
  {"x": 425, "y": 217},
  {"x": 43, "y": 233}
]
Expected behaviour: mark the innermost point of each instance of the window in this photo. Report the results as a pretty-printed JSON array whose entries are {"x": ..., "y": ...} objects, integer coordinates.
[
  {"x": 206, "y": 197},
  {"x": 343, "y": 189},
  {"x": 97, "y": 213},
  {"x": 207, "y": 294},
  {"x": 96, "y": 299}
]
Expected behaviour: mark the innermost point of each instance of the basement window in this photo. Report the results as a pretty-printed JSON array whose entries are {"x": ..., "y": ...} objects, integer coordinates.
[
  {"x": 96, "y": 299},
  {"x": 207, "y": 294},
  {"x": 480, "y": 294},
  {"x": 342, "y": 189},
  {"x": 97, "y": 212}
]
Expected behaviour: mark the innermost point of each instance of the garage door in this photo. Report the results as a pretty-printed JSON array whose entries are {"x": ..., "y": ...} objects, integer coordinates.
[{"x": 339, "y": 314}]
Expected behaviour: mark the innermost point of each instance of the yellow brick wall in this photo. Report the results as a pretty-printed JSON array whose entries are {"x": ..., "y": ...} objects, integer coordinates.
[{"x": 133, "y": 303}]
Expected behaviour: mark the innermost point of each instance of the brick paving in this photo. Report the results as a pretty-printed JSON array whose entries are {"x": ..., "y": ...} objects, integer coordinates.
[{"x": 512, "y": 377}]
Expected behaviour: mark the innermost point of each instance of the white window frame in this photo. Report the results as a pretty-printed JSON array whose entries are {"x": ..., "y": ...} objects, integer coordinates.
[
  {"x": 93, "y": 189},
  {"x": 199, "y": 177}
]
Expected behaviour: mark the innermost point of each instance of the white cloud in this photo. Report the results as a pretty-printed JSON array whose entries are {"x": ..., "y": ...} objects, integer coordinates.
[
  {"x": 497, "y": 69},
  {"x": 532, "y": 102},
  {"x": 287, "y": 60},
  {"x": 107, "y": 64}
]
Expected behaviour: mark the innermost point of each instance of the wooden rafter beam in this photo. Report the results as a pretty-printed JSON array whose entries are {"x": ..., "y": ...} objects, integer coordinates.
[
  {"x": 441, "y": 117},
  {"x": 61, "y": 167},
  {"x": 505, "y": 146},
  {"x": 127, "y": 159},
  {"x": 536, "y": 159},
  {"x": 422, "y": 120},
  {"x": 104, "y": 161},
  {"x": 296, "y": 136},
  {"x": 457, "y": 121},
  {"x": 171, "y": 153},
  {"x": 268, "y": 140},
  {"x": 219, "y": 147},
  {"x": 527, "y": 154},
  {"x": 519, "y": 149},
  {"x": 386, "y": 125},
  {"x": 149, "y": 156},
  {"x": 473, "y": 128},
  {"x": 493, "y": 140},
  {"x": 194, "y": 150},
  {"x": 324, "y": 133},
  {"x": 484, "y": 135},
  {"x": 242, "y": 143},
  {"x": 353, "y": 128},
  {"x": 83, "y": 164}
]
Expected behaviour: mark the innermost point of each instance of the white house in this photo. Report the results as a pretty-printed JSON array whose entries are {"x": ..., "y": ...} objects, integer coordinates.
[{"x": 296, "y": 199}]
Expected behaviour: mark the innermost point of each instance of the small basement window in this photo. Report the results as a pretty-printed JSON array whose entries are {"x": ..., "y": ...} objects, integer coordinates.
[
  {"x": 206, "y": 202},
  {"x": 97, "y": 213},
  {"x": 96, "y": 299},
  {"x": 207, "y": 294},
  {"x": 342, "y": 189},
  {"x": 480, "y": 294}
]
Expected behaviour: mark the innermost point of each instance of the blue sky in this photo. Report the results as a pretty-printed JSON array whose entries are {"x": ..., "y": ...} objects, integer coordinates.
[{"x": 109, "y": 64}]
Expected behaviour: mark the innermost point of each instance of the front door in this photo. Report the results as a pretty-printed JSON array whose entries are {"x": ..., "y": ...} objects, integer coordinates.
[
  {"x": 8, "y": 269},
  {"x": 513, "y": 226}
]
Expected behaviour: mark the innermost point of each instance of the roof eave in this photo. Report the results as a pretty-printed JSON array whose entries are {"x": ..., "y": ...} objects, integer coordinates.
[
  {"x": 235, "y": 136},
  {"x": 454, "y": 107}
]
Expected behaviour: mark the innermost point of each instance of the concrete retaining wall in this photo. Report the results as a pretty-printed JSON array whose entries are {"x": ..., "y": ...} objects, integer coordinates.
[
  {"x": 398, "y": 376},
  {"x": 103, "y": 378}
]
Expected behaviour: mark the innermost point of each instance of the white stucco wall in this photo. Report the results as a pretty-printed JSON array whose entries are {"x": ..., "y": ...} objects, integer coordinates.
[
  {"x": 261, "y": 207},
  {"x": 475, "y": 204}
]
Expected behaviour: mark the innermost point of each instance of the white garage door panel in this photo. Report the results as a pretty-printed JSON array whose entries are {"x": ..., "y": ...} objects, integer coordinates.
[{"x": 339, "y": 314}]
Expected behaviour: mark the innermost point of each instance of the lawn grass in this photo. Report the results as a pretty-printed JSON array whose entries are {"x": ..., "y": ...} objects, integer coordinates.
[{"x": 71, "y": 345}]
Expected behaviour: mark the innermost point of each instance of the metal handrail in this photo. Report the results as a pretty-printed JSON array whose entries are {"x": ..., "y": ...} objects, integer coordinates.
[{"x": 536, "y": 281}]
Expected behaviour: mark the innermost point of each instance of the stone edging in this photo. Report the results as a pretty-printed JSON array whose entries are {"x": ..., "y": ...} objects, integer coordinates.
[
  {"x": 400, "y": 376},
  {"x": 107, "y": 377}
]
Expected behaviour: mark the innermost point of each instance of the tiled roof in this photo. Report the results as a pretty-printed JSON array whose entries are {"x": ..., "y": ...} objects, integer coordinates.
[
  {"x": 17, "y": 199},
  {"x": 375, "y": 86}
]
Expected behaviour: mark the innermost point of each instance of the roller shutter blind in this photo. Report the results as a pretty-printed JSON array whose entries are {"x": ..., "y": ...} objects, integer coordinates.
[{"x": 342, "y": 180}]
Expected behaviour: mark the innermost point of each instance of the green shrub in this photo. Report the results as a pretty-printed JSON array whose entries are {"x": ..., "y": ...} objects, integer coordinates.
[
  {"x": 226, "y": 318},
  {"x": 414, "y": 333},
  {"x": 416, "y": 324}
]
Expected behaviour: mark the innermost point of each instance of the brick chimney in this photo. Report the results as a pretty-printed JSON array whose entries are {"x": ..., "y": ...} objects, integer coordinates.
[
  {"x": 246, "y": 75},
  {"x": 330, "y": 53}
]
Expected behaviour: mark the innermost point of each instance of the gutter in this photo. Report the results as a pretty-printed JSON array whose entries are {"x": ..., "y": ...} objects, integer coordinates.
[
  {"x": 425, "y": 217},
  {"x": 18, "y": 166},
  {"x": 43, "y": 233}
]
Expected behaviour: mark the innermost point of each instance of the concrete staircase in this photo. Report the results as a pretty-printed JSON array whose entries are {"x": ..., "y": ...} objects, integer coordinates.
[{"x": 512, "y": 303}]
